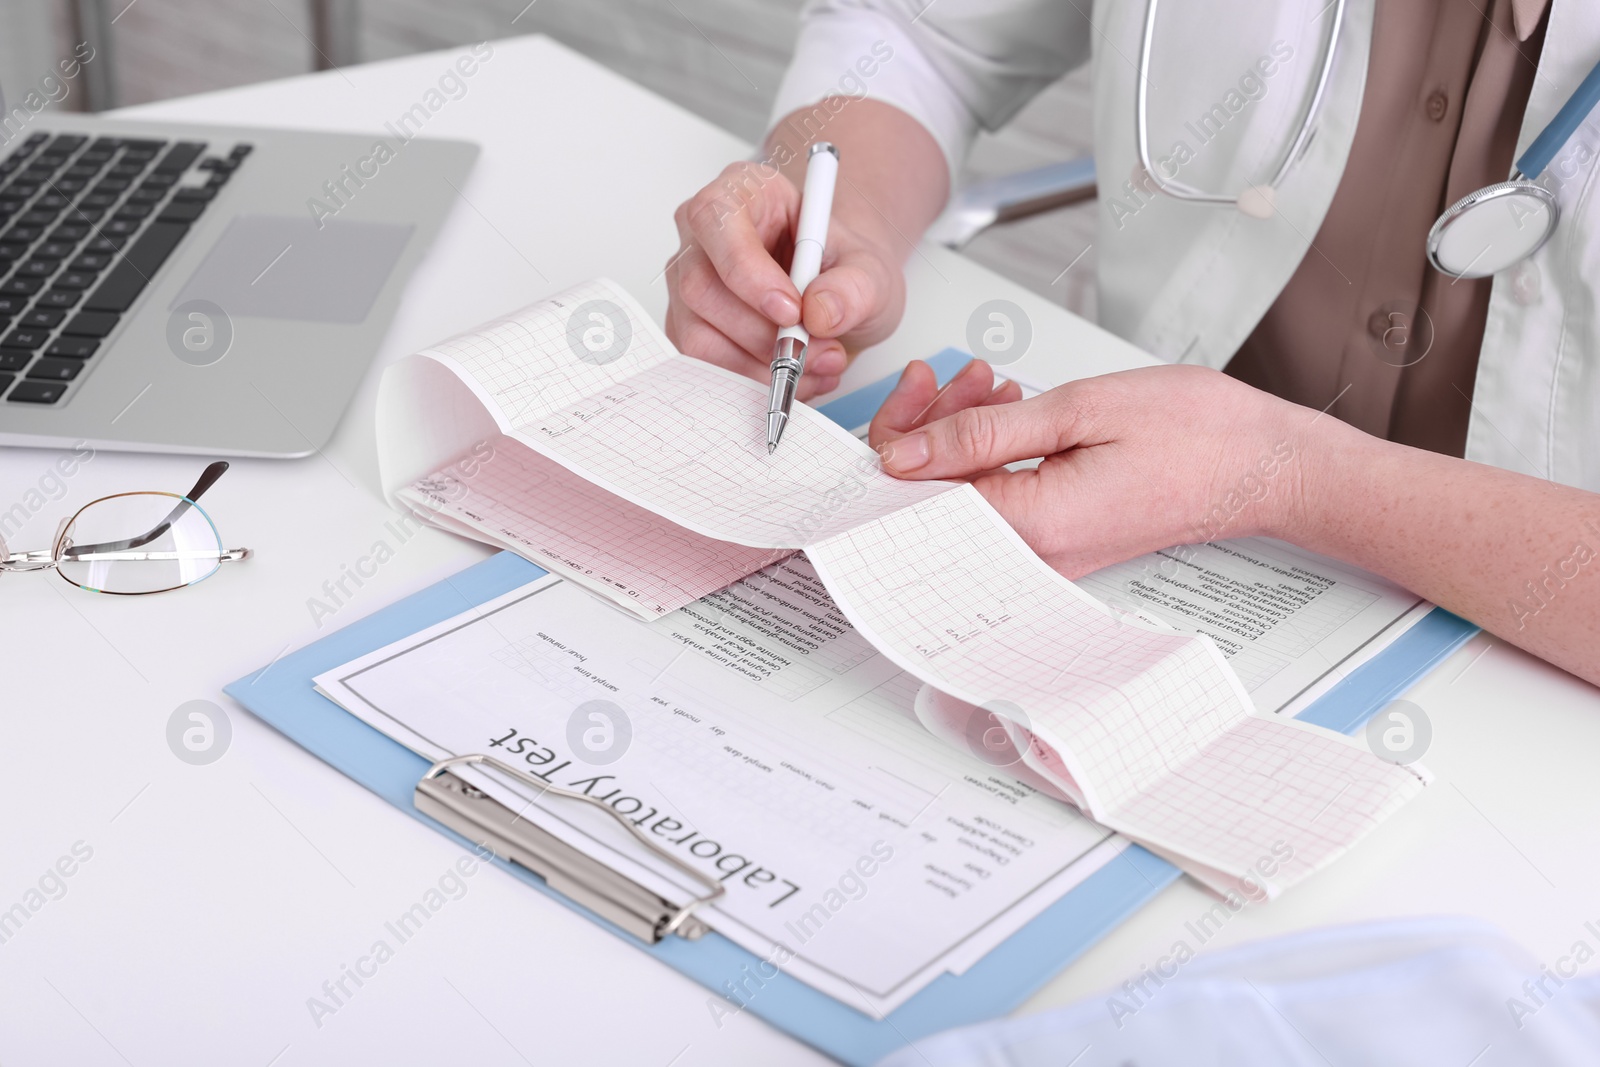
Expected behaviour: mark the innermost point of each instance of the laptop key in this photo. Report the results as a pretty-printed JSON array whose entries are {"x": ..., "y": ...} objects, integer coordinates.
[
  {"x": 43, "y": 318},
  {"x": 55, "y": 249},
  {"x": 24, "y": 337},
  {"x": 120, "y": 227},
  {"x": 11, "y": 252},
  {"x": 28, "y": 392},
  {"x": 73, "y": 347},
  {"x": 55, "y": 370},
  {"x": 5, "y": 380},
  {"x": 14, "y": 358},
  {"x": 128, "y": 278},
  {"x": 182, "y": 211},
  {"x": 59, "y": 298},
  {"x": 132, "y": 211},
  {"x": 38, "y": 268},
  {"x": 12, "y": 305},
  {"x": 74, "y": 279},
  {"x": 20, "y": 286},
  {"x": 90, "y": 323},
  {"x": 72, "y": 232},
  {"x": 180, "y": 156},
  {"x": 92, "y": 261}
]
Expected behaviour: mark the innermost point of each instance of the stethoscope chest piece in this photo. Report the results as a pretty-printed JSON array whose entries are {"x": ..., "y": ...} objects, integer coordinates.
[{"x": 1490, "y": 229}]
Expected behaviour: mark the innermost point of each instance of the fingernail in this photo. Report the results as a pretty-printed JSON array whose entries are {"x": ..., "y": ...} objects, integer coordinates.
[
  {"x": 780, "y": 308},
  {"x": 905, "y": 455},
  {"x": 832, "y": 310}
]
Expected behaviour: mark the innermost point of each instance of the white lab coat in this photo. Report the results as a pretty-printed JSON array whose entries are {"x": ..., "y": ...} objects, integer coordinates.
[{"x": 1188, "y": 282}]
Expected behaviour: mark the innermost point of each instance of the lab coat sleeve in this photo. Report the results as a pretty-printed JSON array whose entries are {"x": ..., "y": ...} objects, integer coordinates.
[{"x": 954, "y": 65}]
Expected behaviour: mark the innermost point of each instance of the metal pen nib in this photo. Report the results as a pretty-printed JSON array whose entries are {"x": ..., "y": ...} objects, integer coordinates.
[{"x": 788, "y": 363}]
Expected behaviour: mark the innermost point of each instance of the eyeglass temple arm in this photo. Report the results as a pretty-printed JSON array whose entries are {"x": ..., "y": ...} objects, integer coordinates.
[
  {"x": 43, "y": 560},
  {"x": 208, "y": 478}
]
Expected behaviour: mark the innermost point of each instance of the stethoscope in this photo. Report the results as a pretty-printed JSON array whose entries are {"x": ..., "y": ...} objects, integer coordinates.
[{"x": 1481, "y": 234}]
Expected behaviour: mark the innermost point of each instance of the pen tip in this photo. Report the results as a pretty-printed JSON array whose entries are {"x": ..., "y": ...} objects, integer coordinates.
[{"x": 772, "y": 446}]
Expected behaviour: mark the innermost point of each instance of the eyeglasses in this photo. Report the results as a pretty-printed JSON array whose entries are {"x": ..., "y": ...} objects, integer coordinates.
[{"x": 134, "y": 543}]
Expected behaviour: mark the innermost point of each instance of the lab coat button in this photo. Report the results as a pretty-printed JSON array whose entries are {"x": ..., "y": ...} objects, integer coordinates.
[{"x": 1438, "y": 106}]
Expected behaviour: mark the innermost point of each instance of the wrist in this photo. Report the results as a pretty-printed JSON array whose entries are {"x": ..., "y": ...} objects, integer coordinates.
[{"x": 1331, "y": 462}]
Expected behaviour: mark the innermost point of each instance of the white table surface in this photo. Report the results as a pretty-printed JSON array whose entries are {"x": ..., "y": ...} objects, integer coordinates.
[{"x": 220, "y": 898}]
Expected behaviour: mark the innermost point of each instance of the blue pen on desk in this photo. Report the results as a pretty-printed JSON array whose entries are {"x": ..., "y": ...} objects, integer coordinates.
[{"x": 789, "y": 352}]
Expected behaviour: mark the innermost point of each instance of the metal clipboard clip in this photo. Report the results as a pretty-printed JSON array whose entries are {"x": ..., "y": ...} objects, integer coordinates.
[{"x": 576, "y": 875}]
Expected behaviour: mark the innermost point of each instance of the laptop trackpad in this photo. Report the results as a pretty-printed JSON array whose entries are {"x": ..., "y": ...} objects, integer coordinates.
[{"x": 278, "y": 267}]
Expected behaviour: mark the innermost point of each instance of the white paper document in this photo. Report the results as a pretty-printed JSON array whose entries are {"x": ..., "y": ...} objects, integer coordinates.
[
  {"x": 651, "y": 485},
  {"x": 764, "y": 740}
]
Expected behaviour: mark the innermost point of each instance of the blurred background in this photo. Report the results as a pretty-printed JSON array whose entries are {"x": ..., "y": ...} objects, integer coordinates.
[{"x": 721, "y": 59}]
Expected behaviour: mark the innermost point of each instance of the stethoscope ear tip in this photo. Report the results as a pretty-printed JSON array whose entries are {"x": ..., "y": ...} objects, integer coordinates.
[{"x": 1258, "y": 201}]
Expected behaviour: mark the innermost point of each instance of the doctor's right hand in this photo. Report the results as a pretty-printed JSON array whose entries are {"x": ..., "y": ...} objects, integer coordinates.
[{"x": 729, "y": 290}]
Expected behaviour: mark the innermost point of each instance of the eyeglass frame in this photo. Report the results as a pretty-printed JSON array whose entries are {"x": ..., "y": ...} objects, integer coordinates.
[{"x": 118, "y": 551}]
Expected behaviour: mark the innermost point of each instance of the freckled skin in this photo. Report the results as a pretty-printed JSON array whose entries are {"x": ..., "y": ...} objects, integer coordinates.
[{"x": 1172, "y": 455}]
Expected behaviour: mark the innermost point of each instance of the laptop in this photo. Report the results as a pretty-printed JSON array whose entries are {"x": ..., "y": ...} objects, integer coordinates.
[{"x": 219, "y": 290}]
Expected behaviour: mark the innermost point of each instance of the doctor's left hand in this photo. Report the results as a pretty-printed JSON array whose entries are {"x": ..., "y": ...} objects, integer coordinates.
[{"x": 1131, "y": 462}]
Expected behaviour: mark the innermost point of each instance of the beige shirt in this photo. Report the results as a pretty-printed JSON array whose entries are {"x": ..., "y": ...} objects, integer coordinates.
[{"x": 1366, "y": 325}]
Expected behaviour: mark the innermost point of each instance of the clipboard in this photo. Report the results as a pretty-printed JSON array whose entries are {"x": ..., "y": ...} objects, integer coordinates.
[{"x": 282, "y": 694}]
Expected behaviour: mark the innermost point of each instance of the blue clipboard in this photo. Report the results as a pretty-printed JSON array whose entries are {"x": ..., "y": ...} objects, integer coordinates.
[{"x": 282, "y": 695}]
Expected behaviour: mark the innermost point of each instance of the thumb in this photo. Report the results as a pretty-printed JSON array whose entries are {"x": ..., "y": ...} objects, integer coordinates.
[
  {"x": 979, "y": 439},
  {"x": 853, "y": 296}
]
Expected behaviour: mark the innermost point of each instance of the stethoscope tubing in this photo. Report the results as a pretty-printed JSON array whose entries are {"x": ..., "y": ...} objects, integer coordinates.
[{"x": 1302, "y": 137}]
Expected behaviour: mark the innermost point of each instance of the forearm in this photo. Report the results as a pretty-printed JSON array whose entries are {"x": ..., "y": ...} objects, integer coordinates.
[
  {"x": 1517, "y": 555},
  {"x": 893, "y": 177}
]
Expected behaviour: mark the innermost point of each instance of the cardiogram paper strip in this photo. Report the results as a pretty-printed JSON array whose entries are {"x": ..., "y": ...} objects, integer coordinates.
[{"x": 1150, "y": 725}]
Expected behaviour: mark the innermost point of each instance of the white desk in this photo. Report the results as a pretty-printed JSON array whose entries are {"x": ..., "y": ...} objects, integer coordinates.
[{"x": 220, "y": 898}]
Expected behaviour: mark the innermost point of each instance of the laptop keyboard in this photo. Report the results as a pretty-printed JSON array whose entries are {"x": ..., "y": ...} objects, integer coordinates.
[{"x": 84, "y": 226}]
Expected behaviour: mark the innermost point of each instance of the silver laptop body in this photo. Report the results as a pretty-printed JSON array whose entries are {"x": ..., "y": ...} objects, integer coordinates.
[{"x": 219, "y": 290}]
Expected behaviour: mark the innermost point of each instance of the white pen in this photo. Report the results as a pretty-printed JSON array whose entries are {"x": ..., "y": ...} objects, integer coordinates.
[{"x": 789, "y": 353}]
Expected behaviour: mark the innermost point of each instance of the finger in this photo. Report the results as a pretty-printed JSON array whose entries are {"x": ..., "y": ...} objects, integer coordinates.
[
  {"x": 696, "y": 337},
  {"x": 851, "y": 295},
  {"x": 982, "y": 438},
  {"x": 821, "y": 385},
  {"x": 701, "y": 290},
  {"x": 739, "y": 220},
  {"x": 970, "y": 387},
  {"x": 1004, "y": 393},
  {"x": 910, "y": 397},
  {"x": 1007, "y": 392},
  {"x": 826, "y": 358}
]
